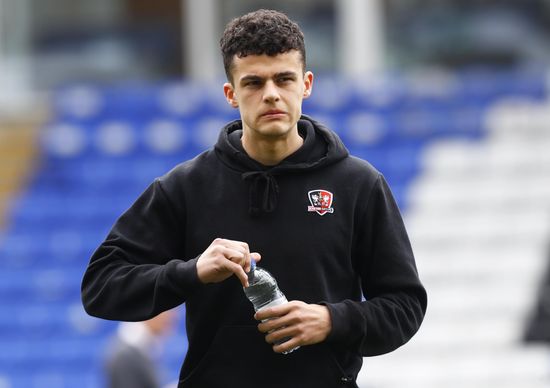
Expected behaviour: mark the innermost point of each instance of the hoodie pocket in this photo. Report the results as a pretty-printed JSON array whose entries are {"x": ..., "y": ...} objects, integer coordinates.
[{"x": 240, "y": 357}]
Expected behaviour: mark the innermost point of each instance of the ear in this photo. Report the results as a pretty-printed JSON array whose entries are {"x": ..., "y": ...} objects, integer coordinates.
[
  {"x": 230, "y": 96},
  {"x": 308, "y": 83}
]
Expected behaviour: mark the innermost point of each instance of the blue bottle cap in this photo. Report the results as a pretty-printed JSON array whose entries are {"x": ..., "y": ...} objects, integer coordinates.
[{"x": 252, "y": 264}]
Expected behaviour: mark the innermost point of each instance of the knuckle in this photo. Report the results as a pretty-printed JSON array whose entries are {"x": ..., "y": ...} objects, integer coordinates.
[
  {"x": 297, "y": 313},
  {"x": 295, "y": 304}
]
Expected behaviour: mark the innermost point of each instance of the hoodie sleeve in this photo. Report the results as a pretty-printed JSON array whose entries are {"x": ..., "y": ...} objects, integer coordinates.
[
  {"x": 137, "y": 273},
  {"x": 395, "y": 300}
]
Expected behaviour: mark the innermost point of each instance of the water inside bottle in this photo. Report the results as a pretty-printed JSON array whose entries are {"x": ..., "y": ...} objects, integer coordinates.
[{"x": 262, "y": 289}]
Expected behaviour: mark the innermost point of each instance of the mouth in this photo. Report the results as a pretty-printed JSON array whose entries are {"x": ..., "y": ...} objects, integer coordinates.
[{"x": 273, "y": 113}]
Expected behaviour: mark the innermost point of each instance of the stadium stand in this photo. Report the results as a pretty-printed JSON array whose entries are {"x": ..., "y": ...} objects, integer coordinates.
[
  {"x": 456, "y": 149},
  {"x": 478, "y": 217}
]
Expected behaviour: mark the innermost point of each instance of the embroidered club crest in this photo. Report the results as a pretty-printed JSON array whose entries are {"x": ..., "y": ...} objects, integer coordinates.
[{"x": 321, "y": 202}]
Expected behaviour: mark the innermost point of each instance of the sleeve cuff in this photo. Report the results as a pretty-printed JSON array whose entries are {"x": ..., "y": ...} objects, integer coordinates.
[
  {"x": 183, "y": 276},
  {"x": 347, "y": 323}
]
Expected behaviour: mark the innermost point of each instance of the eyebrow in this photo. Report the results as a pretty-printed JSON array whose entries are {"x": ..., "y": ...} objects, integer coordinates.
[
  {"x": 276, "y": 75},
  {"x": 250, "y": 78},
  {"x": 285, "y": 74}
]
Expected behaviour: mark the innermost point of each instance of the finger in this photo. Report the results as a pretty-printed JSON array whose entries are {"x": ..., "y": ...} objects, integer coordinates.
[
  {"x": 281, "y": 334},
  {"x": 273, "y": 312},
  {"x": 243, "y": 277},
  {"x": 234, "y": 244},
  {"x": 286, "y": 346},
  {"x": 238, "y": 257},
  {"x": 271, "y": 324},
  {"x": 234, "y": 255},
  {"x": 238, "y": 271},
  {"x": 246, "y": 263},
  {"x": 243, "y": 246}
]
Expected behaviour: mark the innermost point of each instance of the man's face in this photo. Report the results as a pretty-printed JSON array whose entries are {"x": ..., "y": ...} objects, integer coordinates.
[{"x": 268, "y": 90}]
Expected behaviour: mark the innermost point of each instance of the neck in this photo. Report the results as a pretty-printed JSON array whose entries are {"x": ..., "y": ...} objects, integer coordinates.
[{"x": 270, "y": 151}]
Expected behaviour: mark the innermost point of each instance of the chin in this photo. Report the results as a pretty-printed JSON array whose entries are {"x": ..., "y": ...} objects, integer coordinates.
[{"x": 275, "y": 132}]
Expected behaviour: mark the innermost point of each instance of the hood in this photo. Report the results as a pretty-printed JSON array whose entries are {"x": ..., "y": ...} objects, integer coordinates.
[{"x": 321, "y": 148}]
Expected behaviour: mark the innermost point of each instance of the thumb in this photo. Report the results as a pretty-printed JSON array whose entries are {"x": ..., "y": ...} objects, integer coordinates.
[
  {"x": 253, "y": 256},
  {"x": 256, "y": 256}
]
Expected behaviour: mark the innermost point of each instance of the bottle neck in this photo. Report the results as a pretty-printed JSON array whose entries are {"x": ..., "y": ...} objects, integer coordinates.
[{"x": 251, "y": 275}]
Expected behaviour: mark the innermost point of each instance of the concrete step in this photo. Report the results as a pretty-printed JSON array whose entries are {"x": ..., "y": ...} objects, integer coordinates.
[
  {"x": 466, "y": 333},
  {"x": 479, "y": 265},
  {"x": 519, "y": 229},
  {"x": 518, "y": 118},
  {"x": 479, "y": 368},
  {"x": 456, "y": 196},
  {"x": 461, "y": 159}
]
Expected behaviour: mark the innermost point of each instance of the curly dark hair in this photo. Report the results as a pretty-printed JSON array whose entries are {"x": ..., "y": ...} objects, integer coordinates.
[{"x": 260, "y": 32}]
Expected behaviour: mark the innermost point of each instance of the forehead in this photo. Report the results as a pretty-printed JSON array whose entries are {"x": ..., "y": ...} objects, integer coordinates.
[{"x": 266, "y": 65}]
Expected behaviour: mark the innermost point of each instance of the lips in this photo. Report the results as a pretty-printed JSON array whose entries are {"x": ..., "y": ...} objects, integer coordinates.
[{"x": 273, "y": 113}]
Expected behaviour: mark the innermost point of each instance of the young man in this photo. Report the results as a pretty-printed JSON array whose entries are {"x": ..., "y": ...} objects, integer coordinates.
[{"x": 280, "y": 185}]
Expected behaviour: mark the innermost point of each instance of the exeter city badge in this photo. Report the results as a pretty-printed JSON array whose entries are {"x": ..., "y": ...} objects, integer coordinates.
[{"x": 321, "y": 202}]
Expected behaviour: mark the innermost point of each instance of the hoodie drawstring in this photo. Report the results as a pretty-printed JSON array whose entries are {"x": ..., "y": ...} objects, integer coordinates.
[{"x": 264, "y": 192}]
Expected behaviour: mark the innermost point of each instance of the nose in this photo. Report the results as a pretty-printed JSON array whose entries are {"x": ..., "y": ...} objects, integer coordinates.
[{"x": 271, "y": 92}]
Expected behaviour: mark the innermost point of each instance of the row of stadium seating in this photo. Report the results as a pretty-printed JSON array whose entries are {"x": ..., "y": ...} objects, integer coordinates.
[
  {"x": 126, "y": 137},
  {"x": 333, "y": 94}
]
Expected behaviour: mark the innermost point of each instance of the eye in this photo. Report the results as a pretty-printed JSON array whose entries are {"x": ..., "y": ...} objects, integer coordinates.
[
  {"x": 252, "y": 83},
  {"x": 286, "y": 79}
]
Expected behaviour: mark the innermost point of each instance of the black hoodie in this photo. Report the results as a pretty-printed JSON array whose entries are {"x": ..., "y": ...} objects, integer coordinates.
[{"x": 328, "y": 229}]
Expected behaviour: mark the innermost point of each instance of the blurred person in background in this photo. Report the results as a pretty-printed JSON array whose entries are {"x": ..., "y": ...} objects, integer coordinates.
[
  {"x": 130, "y": 357},
  {"x": 279, "y": 184},
  {"x": 538, "y": 324}
]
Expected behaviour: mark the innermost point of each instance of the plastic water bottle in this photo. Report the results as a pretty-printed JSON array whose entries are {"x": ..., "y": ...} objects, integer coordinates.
[{"x": 264, "y": 292}]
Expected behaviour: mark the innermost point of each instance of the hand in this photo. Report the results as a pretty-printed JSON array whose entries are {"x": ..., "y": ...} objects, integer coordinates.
[
  {"x": 305, "y": 324},
  {"x": 224, "y": 258}
]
